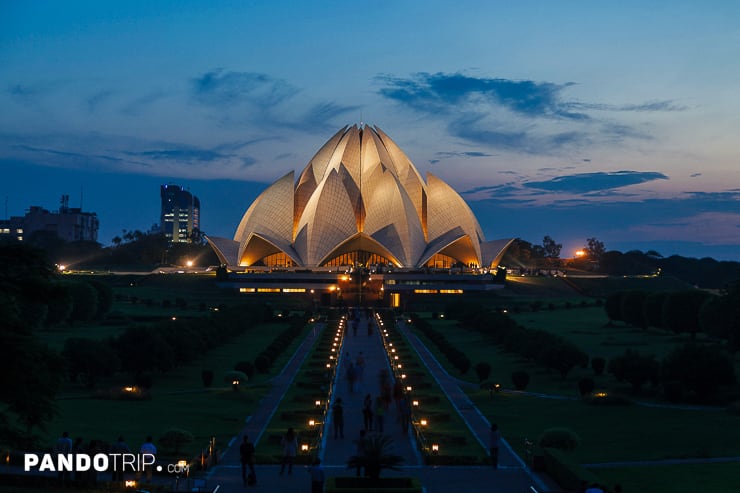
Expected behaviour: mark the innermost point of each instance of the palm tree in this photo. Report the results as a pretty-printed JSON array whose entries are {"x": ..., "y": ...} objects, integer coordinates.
[{"x": 376, "y": 456}]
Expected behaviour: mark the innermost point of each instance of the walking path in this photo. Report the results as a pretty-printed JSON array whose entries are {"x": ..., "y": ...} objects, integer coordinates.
[
  {"x": 370, "y": 345},
  {"x": 512, "y": 476}
]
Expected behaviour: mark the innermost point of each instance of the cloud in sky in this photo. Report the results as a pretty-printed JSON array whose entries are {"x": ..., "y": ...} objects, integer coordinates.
[
  {"x": 249, "y": 98},
  {"x": 513, "y": 115},
  {"x": 442, "y": 91},
  {"x": 463, "y": 154},
  {"x": 590, "y": 182},
  {"x": 224, "y": 89}
]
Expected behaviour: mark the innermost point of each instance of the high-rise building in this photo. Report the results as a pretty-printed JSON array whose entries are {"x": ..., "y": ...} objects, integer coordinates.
[
  {"x": 180, "y": 216},
  {"x": 69, "y": 223}
]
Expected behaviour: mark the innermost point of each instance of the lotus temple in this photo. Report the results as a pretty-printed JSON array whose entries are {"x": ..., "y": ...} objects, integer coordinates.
[{"x": 360, "y": 205}]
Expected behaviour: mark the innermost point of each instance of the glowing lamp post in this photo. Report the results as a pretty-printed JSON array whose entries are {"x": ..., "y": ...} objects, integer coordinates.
[
  {"x": 423, "y": 422},
  {"x": 304, "y": 447},
  {"x": 435, "y": 448}
]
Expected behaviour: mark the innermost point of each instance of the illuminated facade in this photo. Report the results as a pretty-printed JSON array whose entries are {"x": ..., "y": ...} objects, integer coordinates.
[
  {"x": 180, "y": 214},
  {"x": 359, "y": 201}
]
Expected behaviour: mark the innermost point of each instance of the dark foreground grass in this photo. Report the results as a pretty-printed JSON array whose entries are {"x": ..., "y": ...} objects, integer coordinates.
[
  {"x": 683, "y": 478},
  {"x": 615, "y": 433}
]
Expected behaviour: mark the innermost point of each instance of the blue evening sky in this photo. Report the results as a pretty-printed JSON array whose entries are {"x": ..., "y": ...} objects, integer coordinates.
[{"x": 619, "y": 120}]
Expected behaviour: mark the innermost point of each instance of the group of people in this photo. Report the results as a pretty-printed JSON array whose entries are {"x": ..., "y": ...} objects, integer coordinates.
[{"x": 64, "y": 445}]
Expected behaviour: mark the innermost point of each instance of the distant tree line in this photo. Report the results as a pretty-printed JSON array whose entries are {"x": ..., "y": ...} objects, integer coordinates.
[
  {"x": 697, "y": 372},
  {"x": 688, "y": 311},
  {"x": 705, "y": 272}
]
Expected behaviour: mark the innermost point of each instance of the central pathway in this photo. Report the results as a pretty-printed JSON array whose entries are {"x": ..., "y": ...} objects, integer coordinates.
[
  {"x": 368, "y": 344},
  {"x": 226, "y": 476}
]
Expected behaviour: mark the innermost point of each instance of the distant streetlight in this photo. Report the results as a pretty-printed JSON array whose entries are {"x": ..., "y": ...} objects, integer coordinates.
[
  {"x": 189, "y": 263},
  {"x": 580, "y": 253}
]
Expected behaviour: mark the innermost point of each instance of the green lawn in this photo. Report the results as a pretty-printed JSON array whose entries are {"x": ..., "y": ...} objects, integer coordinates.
[
  {"x": 684, "y": 478},
  {"x": 178, "y": 400},
  {"x": 587, "y": 328},
  {"x": 615, "y": 433},
  {"x": 607, "y": 433}
]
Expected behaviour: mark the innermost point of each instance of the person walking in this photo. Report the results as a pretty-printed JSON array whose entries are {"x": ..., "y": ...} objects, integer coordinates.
[
  {"x": 351, "y": 377},
  {"x": 246, "y": 458},
  {"x": 317, "y": 477},
  {"x": 148, "y": 448},
  {"x": 290, "y": 448},
  {"x": 338, "y": 418},
  {"x": 379, "y": 413},
  {"x": 120, "y": 447},
  {"x": 494, "y": 443},
  {"x": 367, "y": 413},
  {"x": 63, "y": 446}
]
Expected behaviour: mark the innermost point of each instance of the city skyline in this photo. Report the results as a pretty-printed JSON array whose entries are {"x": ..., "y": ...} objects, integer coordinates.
[{"x": 572, "y": 121}]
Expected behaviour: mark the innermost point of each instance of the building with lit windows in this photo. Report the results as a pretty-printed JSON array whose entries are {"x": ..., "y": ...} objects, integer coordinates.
[
  {"x": 68, "y": 223},
  {"x": 359, "y": 201},
  {"x": 180, "y": 214}
]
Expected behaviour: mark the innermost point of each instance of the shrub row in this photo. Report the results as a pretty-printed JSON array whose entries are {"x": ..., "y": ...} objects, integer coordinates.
[
  {"x": 543, "y": 348},
  {"x": 142, "y": 351},
  {"x": 458, "y": 359},
  {"x": 282, "y": 341}
]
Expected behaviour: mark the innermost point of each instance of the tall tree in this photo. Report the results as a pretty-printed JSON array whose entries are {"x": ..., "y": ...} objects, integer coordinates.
[
  {"x": 551, "y": 249},
  {"x": 595, "y": 249}
]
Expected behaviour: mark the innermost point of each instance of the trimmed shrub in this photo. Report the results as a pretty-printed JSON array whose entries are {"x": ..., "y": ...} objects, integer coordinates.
[
  {"x": 520, "y": 379},
  {"x": 247, "y": 367},
  {"x": 598, "y": 364},
  {"x": 586, "y": 386},
  {"x": 635, "y": 368},
  {"x": 559, "y": 438},
  {"x": 482, "y": 371},
  {"x": 174, "y": 438},
  {"x": 700, "y": 369}
]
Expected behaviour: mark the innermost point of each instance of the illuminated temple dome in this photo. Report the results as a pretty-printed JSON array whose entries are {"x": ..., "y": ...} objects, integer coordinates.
[{"x": 360, "y": 200}]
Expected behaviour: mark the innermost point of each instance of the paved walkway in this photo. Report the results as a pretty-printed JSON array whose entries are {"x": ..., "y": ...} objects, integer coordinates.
[
  {"x": 370, "y": 345},
  {"x": 510, "y": 477}
]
